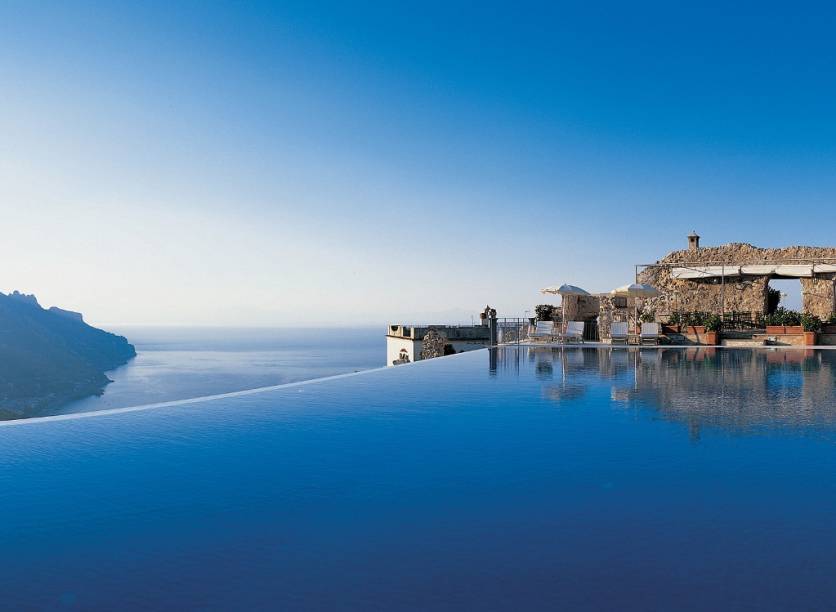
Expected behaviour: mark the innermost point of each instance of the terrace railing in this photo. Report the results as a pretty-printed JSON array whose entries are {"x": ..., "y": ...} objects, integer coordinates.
[
  {"x": 742, "y": 321},
  {"x": 512, "y": 330}
]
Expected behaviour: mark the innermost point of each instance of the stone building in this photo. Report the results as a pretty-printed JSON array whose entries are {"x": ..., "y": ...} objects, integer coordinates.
[
  {"x": 580, "y": 307},
  {"x": 406, "y": 343},
  {"x": 735, "y": 278}
]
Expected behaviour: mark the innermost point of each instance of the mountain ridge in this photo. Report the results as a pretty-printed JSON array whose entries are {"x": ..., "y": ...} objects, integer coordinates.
[{"x": 50, "y": 357}]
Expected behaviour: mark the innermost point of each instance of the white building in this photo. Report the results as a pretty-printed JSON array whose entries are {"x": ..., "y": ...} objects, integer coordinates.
[{"x": 405, "y": 342}]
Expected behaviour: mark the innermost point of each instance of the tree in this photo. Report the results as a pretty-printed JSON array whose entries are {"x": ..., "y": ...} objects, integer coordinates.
[
  {"x": 544, "y": 312},
  {"x": 773, "y": 298}
]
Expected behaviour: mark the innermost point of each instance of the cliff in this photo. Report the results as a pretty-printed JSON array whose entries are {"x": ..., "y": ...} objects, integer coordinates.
[{"x": 49, "y": 357}]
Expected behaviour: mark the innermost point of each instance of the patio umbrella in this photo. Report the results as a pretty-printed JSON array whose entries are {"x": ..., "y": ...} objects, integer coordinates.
[
  {"x": 563, "y": 291},
  {"x": 636, "y": 290}
]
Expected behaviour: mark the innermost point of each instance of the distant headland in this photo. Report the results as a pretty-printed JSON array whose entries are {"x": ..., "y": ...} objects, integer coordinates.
[{"x": 51, "y": 356}]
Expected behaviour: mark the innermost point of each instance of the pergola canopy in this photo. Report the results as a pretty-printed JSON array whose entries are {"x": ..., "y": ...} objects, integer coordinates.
[{"x": 785, "y": 270}]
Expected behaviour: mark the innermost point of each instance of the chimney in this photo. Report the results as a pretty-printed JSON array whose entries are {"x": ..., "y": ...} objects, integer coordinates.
[{"x": 693, "y": 241}]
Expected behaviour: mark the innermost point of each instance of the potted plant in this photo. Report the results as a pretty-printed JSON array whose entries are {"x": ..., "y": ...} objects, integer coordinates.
[
  {"x": 775, "y": 322},
  {"x": 830, "y": 326},
  {"x": 811, "y": 325},
  {"x": 694, "y": 323},
  {"x": 792, "y": 322},
  {"x": 783, "y": 321},
  {"x": 674, "y": 323},
  {"x": 713, "y": 324}
]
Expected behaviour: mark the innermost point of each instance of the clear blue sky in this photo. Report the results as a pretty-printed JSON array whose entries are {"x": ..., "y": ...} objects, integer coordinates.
[{"x": 301, "y": 163}]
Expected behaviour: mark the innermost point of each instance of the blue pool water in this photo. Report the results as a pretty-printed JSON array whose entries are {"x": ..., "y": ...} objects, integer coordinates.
[{"x": 517, "y": 479}]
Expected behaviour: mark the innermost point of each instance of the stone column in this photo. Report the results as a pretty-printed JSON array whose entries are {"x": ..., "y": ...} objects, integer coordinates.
[{"x": 818, "y": 295}]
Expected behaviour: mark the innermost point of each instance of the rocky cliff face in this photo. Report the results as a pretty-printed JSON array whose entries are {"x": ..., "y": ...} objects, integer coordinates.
[
  {"x": 49, "y": 357},
  {"x": 76, "y": 316}
]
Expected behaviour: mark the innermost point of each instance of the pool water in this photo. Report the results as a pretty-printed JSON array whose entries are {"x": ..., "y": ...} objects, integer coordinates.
[{"x": 509, "y": 479}]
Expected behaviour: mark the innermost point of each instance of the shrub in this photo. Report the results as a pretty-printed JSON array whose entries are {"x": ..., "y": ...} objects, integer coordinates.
[
  {"x": 791, "y": 317},
  {"x": 674, "y": 318},
  {"x": 832, "y": 319},
  {"x": 810, "y": 322},
  {"x": 648, "y": 316},
  {"x": 773, "y": 298},
  {"x": 693, "y": 318},
  {"x": 544, "y": 312},
  {"x": 782, "y": 316},
  {"x": 712, "y": 322}
]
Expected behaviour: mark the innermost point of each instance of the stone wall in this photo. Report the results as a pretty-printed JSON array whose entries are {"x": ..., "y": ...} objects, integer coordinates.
[
  {"x": 739, "y": 294},
  {"x": 818, "y": 295},
  {"x": 609, "y": 312},
  {"x": 433, "y": 345},
  {"x": 580, "y": 307}
]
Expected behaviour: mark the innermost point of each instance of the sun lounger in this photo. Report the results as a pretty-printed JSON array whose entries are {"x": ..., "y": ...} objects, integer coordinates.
[
  {"x": 543, "y": 330},
  {"x": 618, "y": 332},
  {"x": 574, "y": 331},
  {"x": 650, "y": 333}
]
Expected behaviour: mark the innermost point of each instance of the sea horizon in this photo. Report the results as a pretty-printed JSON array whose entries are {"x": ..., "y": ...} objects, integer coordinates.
[{"x": 178, "y": 362}]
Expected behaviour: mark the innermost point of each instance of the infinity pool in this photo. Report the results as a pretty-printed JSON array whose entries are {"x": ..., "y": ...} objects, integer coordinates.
[{"x": 512, "y": 479}]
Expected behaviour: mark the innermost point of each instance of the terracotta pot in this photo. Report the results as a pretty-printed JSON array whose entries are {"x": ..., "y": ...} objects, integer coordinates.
[
  {"x": 711, "y": 337},
  {"x": 784, "y": 329},
  {"x": 810, "y": 338},
  {"x": 696, "y": 329}
]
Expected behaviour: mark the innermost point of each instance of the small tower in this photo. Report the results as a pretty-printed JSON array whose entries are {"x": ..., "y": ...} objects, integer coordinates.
[{"x": 693, "y": 241}]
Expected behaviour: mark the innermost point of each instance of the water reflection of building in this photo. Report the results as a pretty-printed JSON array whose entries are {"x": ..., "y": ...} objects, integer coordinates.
[
  {"x": 733, "y": 389},
  {"x": 740, "y": 389}
]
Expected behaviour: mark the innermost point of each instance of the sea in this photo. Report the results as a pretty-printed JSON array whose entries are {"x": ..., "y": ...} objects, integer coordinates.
[{"x": 176, "y": 363}]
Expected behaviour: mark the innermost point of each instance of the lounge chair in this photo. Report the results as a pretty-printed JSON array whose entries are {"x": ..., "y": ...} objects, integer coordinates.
[
  {"x": 574, "y": 331},
  {"x": 650, "y": 334},
  {"x": 618, "y": 332},
  {"x": 543, "y": 330}
]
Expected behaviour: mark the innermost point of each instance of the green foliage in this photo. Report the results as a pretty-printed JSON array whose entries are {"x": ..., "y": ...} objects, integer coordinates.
[
  {"x": 792, "y": 317},
  {"x": 810, "y": 322},
  {"x": 545, "y": 312},
  {"x": 675, "y": 318},
  {"x": 832, "y": 319},
  {"x": 648, "y": 316},
  {"x": 693, "y": 318},
  {"x": 782, "y": 316},
  {"x": 712, "y": 322},
  {"x": 773, "y": 298}
]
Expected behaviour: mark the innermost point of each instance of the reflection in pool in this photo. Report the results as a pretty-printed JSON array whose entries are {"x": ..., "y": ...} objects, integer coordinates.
[
  {"x": 734, "y": 389},
  {"x": 510, "y": 479}
]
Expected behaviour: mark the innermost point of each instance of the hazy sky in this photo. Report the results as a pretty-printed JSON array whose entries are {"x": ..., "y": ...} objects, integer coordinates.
[{"x": 316, "y": 163}]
